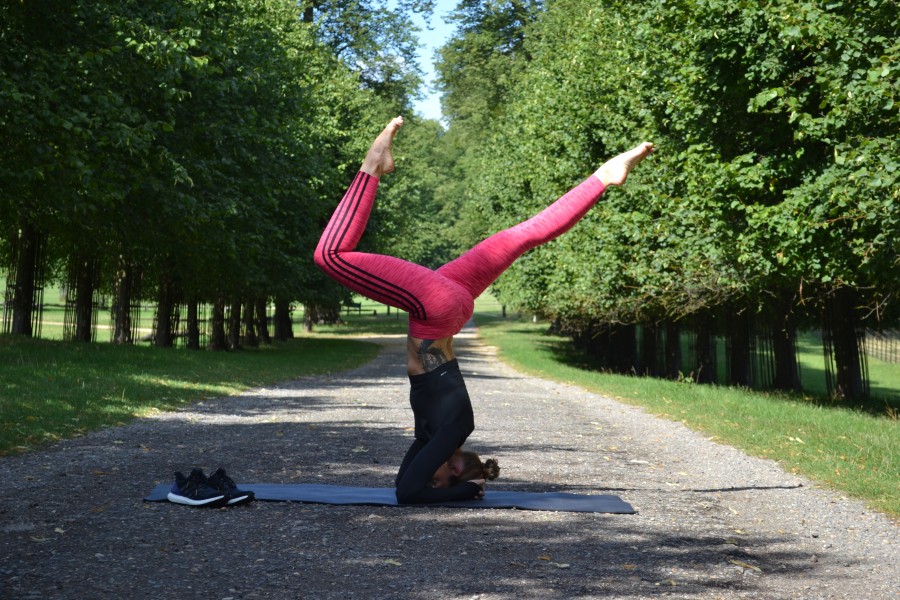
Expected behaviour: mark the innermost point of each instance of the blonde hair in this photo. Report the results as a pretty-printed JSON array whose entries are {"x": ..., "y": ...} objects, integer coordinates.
[{"x": 473, "y": 468}]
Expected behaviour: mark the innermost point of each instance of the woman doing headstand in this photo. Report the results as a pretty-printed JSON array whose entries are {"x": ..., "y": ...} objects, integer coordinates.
[{"x": 439, "y": 303}]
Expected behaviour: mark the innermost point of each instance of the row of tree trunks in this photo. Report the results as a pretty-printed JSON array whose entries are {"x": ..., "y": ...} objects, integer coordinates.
[
  {"x": 25, "y": 281},
  {"x": 247, "y": 325},
  {"x": 167, "y": 314},
  {"x": 760, "y": 350},
  {"x": 255, "y": 323},
  {"x": 317, "y": 314},
  {"x": 282, "y": 324},
  {"x": 618, "y": 347}
]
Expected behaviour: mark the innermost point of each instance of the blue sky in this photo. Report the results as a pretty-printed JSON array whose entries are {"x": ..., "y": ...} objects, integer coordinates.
[{"x": 432, "y": 39}]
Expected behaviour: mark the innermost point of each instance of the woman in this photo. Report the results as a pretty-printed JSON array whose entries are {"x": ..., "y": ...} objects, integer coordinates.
[{"x": 439, "y": 303}]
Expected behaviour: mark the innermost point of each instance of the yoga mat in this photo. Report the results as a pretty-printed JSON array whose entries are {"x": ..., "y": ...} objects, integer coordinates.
[{"x": 318, "y": 493}]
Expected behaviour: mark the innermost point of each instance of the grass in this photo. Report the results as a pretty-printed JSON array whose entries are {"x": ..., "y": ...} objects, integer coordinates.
[
  {"x": 53, "y": 389},
  {"x": 848, "y": 450}
]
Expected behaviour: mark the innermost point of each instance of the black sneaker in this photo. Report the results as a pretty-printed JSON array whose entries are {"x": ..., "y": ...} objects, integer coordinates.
[
  {"x": 225, "y": 485},
  {"x": 194, "y": 490}
]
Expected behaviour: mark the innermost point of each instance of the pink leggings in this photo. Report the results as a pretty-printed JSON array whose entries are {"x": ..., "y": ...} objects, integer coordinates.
[{"x": 438, "y": 302}]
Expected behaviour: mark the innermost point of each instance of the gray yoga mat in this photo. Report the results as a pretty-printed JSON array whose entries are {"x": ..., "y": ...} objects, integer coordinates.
[{"x": 318, "y": 493}]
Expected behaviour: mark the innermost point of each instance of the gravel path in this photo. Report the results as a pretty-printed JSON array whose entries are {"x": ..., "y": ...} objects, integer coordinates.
[{"x": 711, "y": 522}]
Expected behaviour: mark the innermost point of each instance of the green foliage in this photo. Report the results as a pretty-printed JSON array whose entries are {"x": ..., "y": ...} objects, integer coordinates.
[
  {"x": 480, "y": 64},
  {"x": 776, "y": 173},
  {"x": 201, "y": 143},
  {"x": 376, "y": 39}
]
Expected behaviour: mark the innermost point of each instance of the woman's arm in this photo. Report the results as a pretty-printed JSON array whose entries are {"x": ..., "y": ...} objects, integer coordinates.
[{"x": 418, "y": 467}]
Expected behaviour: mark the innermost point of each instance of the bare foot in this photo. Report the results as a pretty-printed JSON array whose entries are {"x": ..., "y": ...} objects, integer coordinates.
[
  {"x": 379, "y": 160},
  {"x": 615, "y": 171}
]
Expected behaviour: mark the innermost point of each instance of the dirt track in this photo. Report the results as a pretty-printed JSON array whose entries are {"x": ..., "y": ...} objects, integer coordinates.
[{"x": 710, "y": 523}]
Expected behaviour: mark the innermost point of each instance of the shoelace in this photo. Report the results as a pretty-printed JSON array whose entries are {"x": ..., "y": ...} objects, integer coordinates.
[{"x": 224, "y": 482}]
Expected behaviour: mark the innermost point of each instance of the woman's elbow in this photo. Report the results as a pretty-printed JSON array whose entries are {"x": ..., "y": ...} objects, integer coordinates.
[{"x": 405, "y": 497}]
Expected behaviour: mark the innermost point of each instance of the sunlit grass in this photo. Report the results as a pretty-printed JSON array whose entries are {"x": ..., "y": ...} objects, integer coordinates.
[{"x": 53, "y": 389}]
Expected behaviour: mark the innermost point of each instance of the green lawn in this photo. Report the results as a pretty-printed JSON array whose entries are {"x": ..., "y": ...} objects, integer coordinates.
[{"x": 52, "y": 389}]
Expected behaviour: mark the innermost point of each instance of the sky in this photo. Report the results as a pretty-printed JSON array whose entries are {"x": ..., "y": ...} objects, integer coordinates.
[{"x": 431, "y": 39}]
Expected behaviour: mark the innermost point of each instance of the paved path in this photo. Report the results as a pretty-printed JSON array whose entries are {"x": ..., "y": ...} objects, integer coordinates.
[{"x": 710, "y": 523}]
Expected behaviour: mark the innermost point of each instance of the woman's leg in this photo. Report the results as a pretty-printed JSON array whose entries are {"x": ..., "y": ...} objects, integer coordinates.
[
  {"x": 381, "y": 278},
  {"x": 479, "y": 267},
  {"x": 387, "y": 279}
]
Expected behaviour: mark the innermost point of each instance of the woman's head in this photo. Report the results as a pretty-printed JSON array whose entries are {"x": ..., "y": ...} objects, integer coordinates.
[{"x": 464, "y": 466}]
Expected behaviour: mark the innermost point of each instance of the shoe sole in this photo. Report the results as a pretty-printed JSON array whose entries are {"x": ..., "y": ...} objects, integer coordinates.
[
  {"x": 244, "y": 498},
  {"x": 173, "y": 497}
]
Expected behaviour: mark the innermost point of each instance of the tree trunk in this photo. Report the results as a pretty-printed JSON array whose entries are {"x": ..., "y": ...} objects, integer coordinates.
[
  {"x": 284, "y": 328},
  {"x": 250, "y": 337},
  {"x": 27, "y": 254},
  {"x": 673, "y": 350},
  {"x": 124, "y": 296},
  {"x": 649, "y": 350},
  {"x": 593, "y": 341},
  {"x": 739, "y": 350},
  {"x": 262, "y": 324},
  {"x": 165, "y": 308},
  {"x": 193, "y": 325},
  {"x": 85, "y": 283},
  {"x": 784, "y": 346},
  {"x": 623, "y": 355},
  {"x": 234, "y": 326},
  {"x": 310, "y": 317},
  {"x": 217, "y": 338},
  {"x": 850, "y": 381},
  {"x": 705, "y": 349}
]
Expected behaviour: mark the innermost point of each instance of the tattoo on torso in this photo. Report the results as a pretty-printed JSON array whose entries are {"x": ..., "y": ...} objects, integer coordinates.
[{"x": 431, "y": 356}]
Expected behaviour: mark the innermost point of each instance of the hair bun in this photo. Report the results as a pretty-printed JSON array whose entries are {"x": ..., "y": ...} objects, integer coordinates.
[{"x": 491, "y": 469}]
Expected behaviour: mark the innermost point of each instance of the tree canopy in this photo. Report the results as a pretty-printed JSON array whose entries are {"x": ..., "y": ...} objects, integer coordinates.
[
  {"x": 778, "y": 151},
  {"x": 201, "y": 144}
]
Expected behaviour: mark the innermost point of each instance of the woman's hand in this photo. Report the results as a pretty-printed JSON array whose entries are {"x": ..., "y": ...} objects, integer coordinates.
[{"x": 480, "y": 484}]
